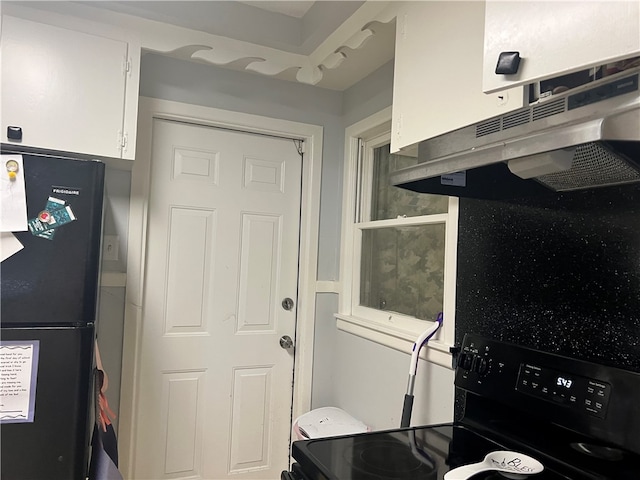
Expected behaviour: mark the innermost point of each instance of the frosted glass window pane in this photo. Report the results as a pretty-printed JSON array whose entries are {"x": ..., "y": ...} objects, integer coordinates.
[
  {"x": 389, "y": 201},
  {"x": 402, "y": 270}
]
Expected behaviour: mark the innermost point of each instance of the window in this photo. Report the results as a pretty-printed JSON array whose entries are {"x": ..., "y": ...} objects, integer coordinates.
[{"x": 398, "y": 251}]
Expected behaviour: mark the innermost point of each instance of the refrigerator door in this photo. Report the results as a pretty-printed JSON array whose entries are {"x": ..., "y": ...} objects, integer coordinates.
[
  {"x": 53, "y": 280},
  {"x": 55, "y": 445}
]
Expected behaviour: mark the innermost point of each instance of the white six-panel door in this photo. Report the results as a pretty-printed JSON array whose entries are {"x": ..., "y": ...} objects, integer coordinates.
[{"x": 215, "y": 387}]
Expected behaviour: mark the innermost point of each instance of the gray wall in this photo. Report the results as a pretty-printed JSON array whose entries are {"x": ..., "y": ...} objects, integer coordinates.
[
  {"x": 116, "y": 214},
  {"x": 194, "y": 83},
  {"x": 364, "y": 378},
  {"x": 112, "y": 298},
  {"x": 110, "y": 328}
]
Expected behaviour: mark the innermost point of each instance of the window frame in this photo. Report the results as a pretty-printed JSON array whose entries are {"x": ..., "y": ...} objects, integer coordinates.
[{"x": 391, "y": 329}]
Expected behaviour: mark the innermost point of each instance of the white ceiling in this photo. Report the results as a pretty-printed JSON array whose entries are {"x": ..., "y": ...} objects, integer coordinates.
[
  {"x": 259, "y": 22},
  {"x": 290, "y": 8},
  {"x": 293, "y": 27}
]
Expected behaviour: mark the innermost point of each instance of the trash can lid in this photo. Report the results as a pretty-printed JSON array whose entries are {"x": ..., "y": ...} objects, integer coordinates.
[{"x": 328, "y": 422}]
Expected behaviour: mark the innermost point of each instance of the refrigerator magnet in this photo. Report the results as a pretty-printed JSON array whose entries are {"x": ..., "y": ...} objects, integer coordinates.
[
  {"x": 13, "y": 198},
  {"x": 51, "y": 219},
  {"x": 45, "y": 216},
  {"x": 12, "y": 169}
]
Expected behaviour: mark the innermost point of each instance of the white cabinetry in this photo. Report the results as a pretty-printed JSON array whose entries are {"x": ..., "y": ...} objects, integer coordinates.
[
  {"x": 68, "y": 90},
  {"x": 438, "y": 72},
  {"x": 555, "y": 38}
]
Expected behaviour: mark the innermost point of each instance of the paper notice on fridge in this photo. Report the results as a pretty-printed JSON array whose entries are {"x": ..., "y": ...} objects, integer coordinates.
[
  {"x": 18, "y": 378},
  {"x": 9, "y": 245},
  {"x": 13, "y": 200}
]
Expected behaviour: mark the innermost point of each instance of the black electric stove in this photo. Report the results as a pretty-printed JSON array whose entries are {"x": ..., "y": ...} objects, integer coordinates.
[{"x": 580, "y": 420}]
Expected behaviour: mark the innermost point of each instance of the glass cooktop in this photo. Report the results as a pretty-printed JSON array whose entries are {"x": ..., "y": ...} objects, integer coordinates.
[
  {"x": 423, "y": 453},
  {"x": 522, "y": 400}
]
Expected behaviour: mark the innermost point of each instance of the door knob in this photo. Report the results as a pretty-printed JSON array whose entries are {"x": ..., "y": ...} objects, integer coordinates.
[
  {"x": 286, "y": 342},
  {"x": 287, "y": 303}
]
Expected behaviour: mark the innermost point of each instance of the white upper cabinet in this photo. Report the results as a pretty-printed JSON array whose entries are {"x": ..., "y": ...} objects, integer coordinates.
[
  {"x": 555, "y": 38},
  {"x": 438, "y": 72},
  {"x": 67, "y": 90}
]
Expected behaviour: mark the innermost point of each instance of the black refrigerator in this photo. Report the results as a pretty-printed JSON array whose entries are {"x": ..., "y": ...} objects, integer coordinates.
[{"x": 49, "y": 292}]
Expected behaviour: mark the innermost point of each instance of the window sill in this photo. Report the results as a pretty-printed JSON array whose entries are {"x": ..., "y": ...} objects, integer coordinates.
[{"x": 435, "y": 351}]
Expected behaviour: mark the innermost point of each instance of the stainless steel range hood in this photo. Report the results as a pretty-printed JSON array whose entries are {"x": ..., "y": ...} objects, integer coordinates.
[{"x": 585, "y": 138}]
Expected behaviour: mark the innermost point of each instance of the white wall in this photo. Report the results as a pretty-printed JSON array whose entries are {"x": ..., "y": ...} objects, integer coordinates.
[
  {"x": 371, "y": 380},
  {"x": 362, "y": 377}
]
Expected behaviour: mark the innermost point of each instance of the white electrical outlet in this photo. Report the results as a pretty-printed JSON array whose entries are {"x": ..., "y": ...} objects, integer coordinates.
[{"x": 110, "y": 248}]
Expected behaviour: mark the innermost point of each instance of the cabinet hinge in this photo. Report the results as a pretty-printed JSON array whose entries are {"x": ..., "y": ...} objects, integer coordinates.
[
  {"x": 126, "y": 68},
  {"x": 122, "y": 141}
]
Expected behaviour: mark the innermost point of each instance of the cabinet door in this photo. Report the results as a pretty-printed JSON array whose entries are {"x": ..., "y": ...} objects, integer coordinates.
[
  {"x": 555, "y": 38},
  {"x": 64, "y": 88},
  {"x": 438, "y": 72}
]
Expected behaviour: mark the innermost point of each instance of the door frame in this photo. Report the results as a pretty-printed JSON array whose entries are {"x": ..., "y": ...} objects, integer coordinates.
[{"x": 150, "y": 109}]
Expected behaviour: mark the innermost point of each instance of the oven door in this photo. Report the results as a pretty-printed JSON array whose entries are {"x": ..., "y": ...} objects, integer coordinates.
[{"x": 296, "y": 473}]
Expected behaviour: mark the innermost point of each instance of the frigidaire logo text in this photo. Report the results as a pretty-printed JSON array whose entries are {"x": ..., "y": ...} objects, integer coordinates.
[{"x": 65, "y": 191}]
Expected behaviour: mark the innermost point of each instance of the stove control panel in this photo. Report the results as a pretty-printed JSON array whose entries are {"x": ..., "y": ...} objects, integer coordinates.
[
  {"x": 586, "y": 394},
  {"x": 493, "y": 368},
  {"x": 585, "y": 397}
]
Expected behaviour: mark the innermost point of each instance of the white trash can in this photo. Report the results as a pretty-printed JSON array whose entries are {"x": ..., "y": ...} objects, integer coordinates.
[{"x": 326, "y": 422}]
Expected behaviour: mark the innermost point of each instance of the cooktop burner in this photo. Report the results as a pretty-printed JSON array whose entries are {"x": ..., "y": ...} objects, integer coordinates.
[{"x": 387, "y": 458}]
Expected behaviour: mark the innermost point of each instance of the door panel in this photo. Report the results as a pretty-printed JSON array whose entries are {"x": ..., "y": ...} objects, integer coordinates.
[
  {"x": 182, "y": 411},
  {"x": 251, "y": 430},
  {"x": 259, "y": 272},
  {"x": 188, "y": 276},
  {"x": 222, "y": 251}
]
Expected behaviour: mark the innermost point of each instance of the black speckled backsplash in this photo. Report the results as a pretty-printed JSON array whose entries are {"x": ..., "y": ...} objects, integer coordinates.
[{"x": 559, "y": 274}]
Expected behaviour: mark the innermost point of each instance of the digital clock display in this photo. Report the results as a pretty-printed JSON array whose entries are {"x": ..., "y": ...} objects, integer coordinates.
[
  {"x": 582, "y": 394},
  {"x": 564, "y": 382}
]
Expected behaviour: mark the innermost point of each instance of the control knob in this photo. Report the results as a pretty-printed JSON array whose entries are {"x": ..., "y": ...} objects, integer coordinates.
[
  {"x": 482, "y": 366},
  {"x": 466, "y": 360}
]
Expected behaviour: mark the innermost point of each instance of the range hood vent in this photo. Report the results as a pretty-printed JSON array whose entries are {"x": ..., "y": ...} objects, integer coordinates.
[
  {"x": 548, "y": 109},
  {"x": 585, "y": 138},
  {"x": 594, "y": 165},
  {"x": 515, "y": 119},
  {"x": 520, "y": 117},
  {"x": 487, "y": 128}
]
